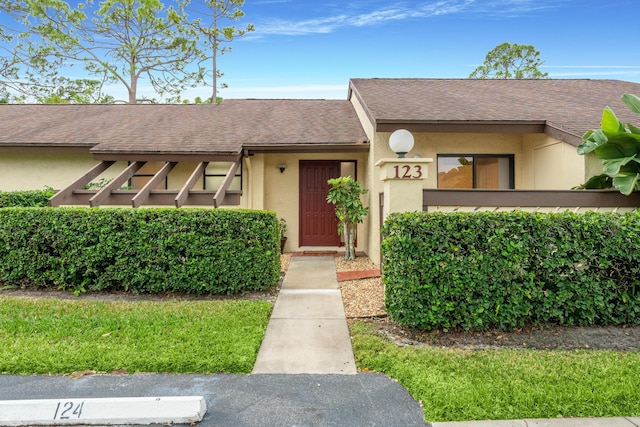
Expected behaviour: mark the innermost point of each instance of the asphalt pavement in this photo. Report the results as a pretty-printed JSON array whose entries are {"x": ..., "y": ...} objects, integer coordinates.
[{"x": 366, "y": 399}]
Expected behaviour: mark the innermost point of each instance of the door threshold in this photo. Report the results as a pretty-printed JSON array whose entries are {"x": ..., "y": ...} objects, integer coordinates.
[{"x": 316, "y": 253}]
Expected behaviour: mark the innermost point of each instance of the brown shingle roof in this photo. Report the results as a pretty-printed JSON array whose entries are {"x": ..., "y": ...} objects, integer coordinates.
[
  {"x": 183, "y": 129},
  {"x": 573, "y": 106}
]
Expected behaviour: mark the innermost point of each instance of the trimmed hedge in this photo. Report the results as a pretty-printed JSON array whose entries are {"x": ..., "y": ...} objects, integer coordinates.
[
  {"x": 198, "y": 251},
  {"x": 29, "y": 198},
  {"x": 504, "y": 270}
]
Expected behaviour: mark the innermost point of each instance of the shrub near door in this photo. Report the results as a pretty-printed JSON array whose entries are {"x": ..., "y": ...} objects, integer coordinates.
[
  {"x": 139, "y": 250},
  {"x": 504, "y": 270}
]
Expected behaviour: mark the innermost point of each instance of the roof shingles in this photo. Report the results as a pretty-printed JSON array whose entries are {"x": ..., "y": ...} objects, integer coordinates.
[
  {"x": 182, "y": 129},
  {"x": 571, "y": 106},
  {"x": 574, "y": 106}
]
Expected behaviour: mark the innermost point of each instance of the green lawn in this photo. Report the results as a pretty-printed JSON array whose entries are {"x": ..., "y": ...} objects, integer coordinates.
[
  {"x": 63, "y": 336},
  {"x": 460, "y": 385}
]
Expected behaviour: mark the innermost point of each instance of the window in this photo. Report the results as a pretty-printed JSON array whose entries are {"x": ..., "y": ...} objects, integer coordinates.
[
  {"x": 215, "y": 174},
  {"x": 475, "y": 171},
  {"x": 348, "y": 168},
  {"x": 144, "y": 175}
]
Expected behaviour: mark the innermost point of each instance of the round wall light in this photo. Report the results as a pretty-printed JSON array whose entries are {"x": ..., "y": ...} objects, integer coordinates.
[{"x": 401, "y": 142}]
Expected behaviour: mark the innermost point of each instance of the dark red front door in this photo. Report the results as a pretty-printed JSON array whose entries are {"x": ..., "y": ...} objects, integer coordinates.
[{"x": 318, "y": 223}]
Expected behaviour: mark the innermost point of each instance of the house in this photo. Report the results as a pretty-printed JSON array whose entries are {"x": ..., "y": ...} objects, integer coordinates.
[{"x": 278, "y": 154}]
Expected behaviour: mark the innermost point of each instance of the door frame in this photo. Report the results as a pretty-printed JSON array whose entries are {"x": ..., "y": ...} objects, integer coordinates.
[
  {"x": 331, "y": 241},
  {"x": 301, "y": 220}
]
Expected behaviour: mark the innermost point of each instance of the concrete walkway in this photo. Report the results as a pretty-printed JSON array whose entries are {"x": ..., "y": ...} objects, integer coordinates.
[{"x": 308, "y": 332}]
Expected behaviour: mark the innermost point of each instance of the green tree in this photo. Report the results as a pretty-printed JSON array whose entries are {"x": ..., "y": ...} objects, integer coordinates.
[
  {"x": 62, "y": 90},
  {"x": 121, "y": 41},
  {"x": 618, "y": 146},
  {"x": 511, "y": 61},
  {"x": 16, "y": 46},
  {"x": 7, "y": 55},
  {"x": 345, "y": 194},
  {"x": 211, "y": 15}
]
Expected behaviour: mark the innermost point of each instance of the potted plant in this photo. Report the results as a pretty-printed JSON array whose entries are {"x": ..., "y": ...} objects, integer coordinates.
[{"x": 282, "y": 226}]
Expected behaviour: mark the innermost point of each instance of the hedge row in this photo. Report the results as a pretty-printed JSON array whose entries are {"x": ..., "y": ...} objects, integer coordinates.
[
  {"x": 504, "y": 270},
  {"x": 30, "y": 198},
  {"x": 196, "y": 251}
]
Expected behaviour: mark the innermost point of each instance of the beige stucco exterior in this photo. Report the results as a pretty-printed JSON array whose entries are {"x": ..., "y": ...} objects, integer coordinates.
[
  {"x": 540, "y": 161},
  {"x": 38, "y": 170},
  {"x": 549, "y": 164},
  {"x": 267, "y": 188}
]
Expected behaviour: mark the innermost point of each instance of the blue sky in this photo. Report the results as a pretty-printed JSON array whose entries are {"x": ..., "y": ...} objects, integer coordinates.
[{"x": 310, "y": 48}]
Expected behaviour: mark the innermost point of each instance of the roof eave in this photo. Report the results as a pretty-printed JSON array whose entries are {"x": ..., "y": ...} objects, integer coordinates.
[
  {"x": 462, "y": 126},
  {"x": 46, "y": 148},
  {"x": 362, "y": 146},
  {"x": 353, "y": 92},
  {"x": 177, "y": 156},
  {"x": 563, "y": 134}
]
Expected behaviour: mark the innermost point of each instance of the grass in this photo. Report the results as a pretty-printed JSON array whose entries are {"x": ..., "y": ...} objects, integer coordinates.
[
  {"x": 460, "y": 385},
  {"x": 46, "y": 336}
]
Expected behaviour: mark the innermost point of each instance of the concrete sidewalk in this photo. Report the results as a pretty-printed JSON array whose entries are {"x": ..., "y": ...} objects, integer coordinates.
[{"x": 307, "y": 332}]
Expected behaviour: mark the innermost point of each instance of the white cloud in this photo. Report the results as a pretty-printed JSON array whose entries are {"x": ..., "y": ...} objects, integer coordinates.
[
  {"x": 286, "y": 92},
  {"x": 615, "y": 67},
  {"x": 618, "y": 75},
  {"x": 510, "y": 8},
  {"x": 240, "y": 91},
  {"x": 362, "y": 16},
  {"x": 595, "y": 71}
]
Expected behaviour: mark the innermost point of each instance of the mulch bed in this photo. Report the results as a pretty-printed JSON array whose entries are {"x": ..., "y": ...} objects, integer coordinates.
[{"x": 540, "y": 337}]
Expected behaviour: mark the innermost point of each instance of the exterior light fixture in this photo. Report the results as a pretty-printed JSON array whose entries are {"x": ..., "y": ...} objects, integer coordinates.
[
  {"x": 401, "y": 142},
  {"x": 282, "y": 167}
]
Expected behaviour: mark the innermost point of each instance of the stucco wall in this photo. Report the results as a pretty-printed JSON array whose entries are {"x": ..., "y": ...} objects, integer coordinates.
[
  {"x": 371, "y": 180},
  {"x": 35, "y": 171},
  {"x": 253, "y": 182},
  {"x": 540, "y": 162},
  {"x": 431, "y": 144},
  {"x": 280, "y": 191},
  {"x": 549, "y": 164},
  {"x": 592, "y": 166}
]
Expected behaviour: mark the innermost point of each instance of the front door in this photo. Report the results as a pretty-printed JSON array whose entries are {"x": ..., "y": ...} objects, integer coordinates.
[{"x": 318, "y": 223}]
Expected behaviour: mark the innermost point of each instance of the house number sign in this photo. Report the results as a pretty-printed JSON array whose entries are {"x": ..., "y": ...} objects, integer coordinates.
[
  {"x": 407, "y": 171},
  {"x": 68, "y": 410}
]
